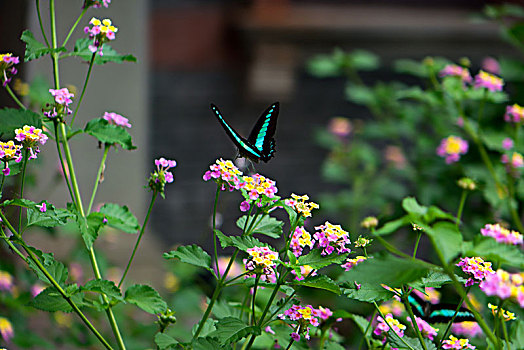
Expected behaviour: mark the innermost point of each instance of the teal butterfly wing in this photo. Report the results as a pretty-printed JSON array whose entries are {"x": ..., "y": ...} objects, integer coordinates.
[
  {"x": 440, "y": 313},
  {"x": 260, "y": 144},
  {"x": 261, "y": 135}
]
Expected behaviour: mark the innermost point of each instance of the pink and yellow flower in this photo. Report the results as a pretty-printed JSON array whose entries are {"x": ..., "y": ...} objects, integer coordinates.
[
  {"x": 261, "y": 260},
  {"x": 304, "y": 317},
  {"x": 351, "y": 263},
  {"x": 332, "y": 237},
  {"x": 477, "y": 268},
  {"x": 340, "y": 127},
  {"x": 6, "y": 329},
  {"x": 488, "y": 81},
  {"x": 425, "y": 328},
  {"x": 300, "y": 239},
  {"x": 101, "y": 32},
  {"x": 451, "y": 148},
  {"x": 305, "y": 271},
  {"x": 161, "y": 176},
  {"x": 501, "y": 234},
  {"x": 514, "y": 114},
  {"x": 63, "y": 98},
  {"x": 467, "y": 328},
  {"x": 515, "y": 162},
  {"x": 299, "y": 204},
  {"x": 504, "y": 285},
  {"x": 456, "y": 71},
  {"x": 6, "y": 281},
  {"x": 458, "y": 344},
  {"x": 224, "y": 173},
  {"x": 383, "y": 327},
  {"x": 505, "y": 315},
  {"x": 7, "y": 69},
  {"x": 116, "y": 119},
  {"x": 30, "y": 137}
]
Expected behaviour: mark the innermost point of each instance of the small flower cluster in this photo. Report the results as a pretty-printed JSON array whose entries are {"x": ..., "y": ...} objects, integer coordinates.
[
  {"x": 6, "y": 329},
  {"x": 299, "y": 204},
  {"x": 477, "y": 267},
  {"x": 369, "y": 222},
  {"x": 305, "y": 315},
  {"x": 101, "y": 32},
  {"x": 8, "y": 151},
  {"x": 63, "y": 98},
  {"x": 7, "y": 69},
  {"x": 305, "y": 271},
  {"x": 116, "y": 119},
  {"x": 504, "y": 314},
  {"x": 456, "y": 71},
  {"x": 467, "y": 184},
  {"x": 514, "y": 114},
  {"x": 330, "y": 237},
  {"x": 507, "y": 143},
  {"x": 300, "y": 239},
  {"x": 501, "y": 234},
  {"x": 257, "y": 185},
  {"x": 97, "y": 3},
  {"x": 362, "y": 242},
  {"x": 425, "y": 328},
  {"x": 261, "y": 260},
  {"x": 224, "y": 173},
  {"x": 6, "y": 281},
  {"x": 505, "y": 285},
  {"x": 468, "y": 328},
  {"x": 159, "y": 178},
  {"x": 383, "y": 327},
  {"x": 488, "y": 81},
  {"x": 451, "y": 148},
  {"x": 512, "y": 164},
  {"x": 351, "y": 263},
  {"x": 340, "y": 127},
  {"x": 458, "y": 344},
  {"x": 30, "y": 137}
]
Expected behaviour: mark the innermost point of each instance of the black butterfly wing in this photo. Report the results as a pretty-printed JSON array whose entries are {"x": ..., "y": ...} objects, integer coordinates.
[
  {"x": 261, "y": 136},
  {"x": 245, "y": 148},
  {"x": 419, "y": 306},
  {"x": 443, "y": 313}
]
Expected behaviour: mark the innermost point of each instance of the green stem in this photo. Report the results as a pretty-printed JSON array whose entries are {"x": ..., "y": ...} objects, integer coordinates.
[
  {"x": 13, "y": 96},
  {"x": 461, "y": 206},
  {"x": 40, "y": 22},
  {"x": 85, "y": 86},
  {"x": 214, "y": 297},
  {"x": 153, "y": 198},
  {"x": 412, "y": 317},
  {"x": 389, "y": 246},
  {"x": 391, "y": 328},
  {"x": 2, "y": 185},
  {"x": 450, "y": 323},
  {"x": 55, "y": 284},
  {"x": 214, "y": 232},
  {"x": 62, "y": 164},
  {"x": 291, "y": 343},
  {"x": 98, "y": 176},
  {"x": 419, "y": 234},
  {"x": 253, "y": 300},
  {"x": 74, "y": 26},
  {"x": 512, "y": 209},
  {"x": 24, "y": 166},
  {"x": 367, "y": 330},
  {"x": 506, "y": 338},
  {"x": 54, "y": 54}
]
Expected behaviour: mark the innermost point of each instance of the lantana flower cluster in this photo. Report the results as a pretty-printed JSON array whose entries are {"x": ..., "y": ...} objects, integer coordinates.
[
  {"x": 305, "y": 271},
  {"x": 352, "y": 262},
  {"x": 258, "y": 185},
  {"x": 300, "y": 239},
  {"x": 101, "y": 32},
  {"x": 477, "y": 268},
  {"x": 331, "y": 237},
  {"x": 514, "y": 114},
  {"x": 161, "y": 176},
  {"x": 504, "y": 314},
  {"x": 224, "y": 173},
  {"x": 425, "y": 328},
  {"x": 451, "y": 148},
  {"x": 306, "y": 316},
  {"x": 30, "y": 137},
  {"x": 6, "y": 329},
  {"x": 458, "y": 344},
  {"x": 504, "y": 285},
  {"x": 501, "y": 234},
  {"x": 489, "y": 81},
  {"x": 6, "y": 281},
  {"x": 299, "y": 204},
  {"x": 467, "y": 328},
  {"x": 456, "y": 71},
  {"x": 7, "y": 68},
  {"x": 261, "y": 260},
  {"x": 383, "y": 327},
  {"x": 63, "y": 98},
  {"x": 97, "y": 3},
  {"x": 516, "y": 161},
  {"x": 9, "y": 151},
  {"x": 116, "y": 119}
]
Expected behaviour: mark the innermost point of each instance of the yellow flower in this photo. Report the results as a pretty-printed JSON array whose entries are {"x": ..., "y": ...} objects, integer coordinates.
[{"x": 95, "y": 21}]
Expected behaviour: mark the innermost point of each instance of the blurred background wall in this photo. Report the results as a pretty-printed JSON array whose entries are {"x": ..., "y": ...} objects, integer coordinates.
[{"x": 242, "y": 56}]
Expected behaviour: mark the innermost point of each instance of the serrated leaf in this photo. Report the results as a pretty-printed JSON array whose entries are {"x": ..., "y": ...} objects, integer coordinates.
[
  {"x": 56, "y": 269},
  {"x": 146, "y": 298},
  {"x": 268, "y": 226},
  {"x": 192, "y": 254},
  {"x": 491, "y": 250},
  {"x": 319, "y": 282},
  {"x": 365, "y": 291},
  {"x": 109, "y": 133},
  {"x": 51, "y": 300},
  {"x": 120, "y": 217},
  {"x": 109, "y": 54},
  {"x": 12, "y": 119},
  {"x": 241, "y": 242},
  {"x": 209, "y": 327},
  {"x": 34, "y": 48},
  {"x": 231, "y": 329},
  {"x": 316, "y": 260},
  {"x": 207, "y": 343},
  {"x": 104, "y": 287},
  {"x": 89, "y": 233},
  {"x": 50, "y": 218},
  {"x": 164, "y": 341},
  {"x": 434, "y": 279}
]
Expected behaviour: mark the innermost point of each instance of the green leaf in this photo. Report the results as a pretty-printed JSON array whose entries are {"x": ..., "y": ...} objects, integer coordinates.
[
  {"x": 56, "y": 269},
  {"x": 434, "y": 279},
  {"x": 34, "y": 48},
  {"x": 109, "y": 133},
  {"x": 88, "y": 228},
  {"x": 414, "y": 344},
  {"x": 241, "y": 242},
  {"x": 109, "y": 54},
  {"x": 365, "y": 292},
  {"x": 164, "y": 341},
  {"x": 316, "y": 260},
  {"x": 360, "y": 321},
  {"x": 393, "y": 226},
  {"x": 146, "y": 298},
  {"x": 191, "y": 254},
  {"x": 51, "y": 300},
  {"x": 209, "y": 327},
  {"x": 331, "y": 345},
  {"x": 411, "y": 206},
  {"x": 50, "y": 218},
  {"x": 231, "y": 329},
  {"x": 207, "y": 343},
  {"x": 319, "y": 282},
  {"x": 268, "y": 226},
  {"x": 104, "y": 287},
  {"x": 447, "y": 237},
  {"x": 120, "y": 217},
  {"x": 12, "y": 119},
  {"x": 489, "y": 249}
]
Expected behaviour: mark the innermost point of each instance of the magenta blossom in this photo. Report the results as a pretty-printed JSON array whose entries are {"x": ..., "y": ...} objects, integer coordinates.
[
  {"x": 514, "y": 114},
  {"x": 116, "y": 119},
  {"x": 331, "y": 237},
  {"x": 507, "y": 143},
  {"x": 501, "y": 234},
  {"x": 488, "y": 81},
  {"x": 7, "y": 69},
  {"x": 451, "y": 148},
  {"x": 476, "y": 268},
  {"x": 456, "y": 71}
]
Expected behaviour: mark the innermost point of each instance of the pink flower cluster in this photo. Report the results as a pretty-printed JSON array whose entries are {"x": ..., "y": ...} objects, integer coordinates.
[
  {"x": 451, "y": 148},
  {"x": 382, "y": 326},
  {"x": 101, "y": 32},
  {"x": 261, "y": 260},
  {"x": 30, "y": 137},
  {"x": 330, "y": 237},
  {"x": 340, "y": 127},
  {"x": 351, "y": 263},
  {"x": 458, "y": 344},
  {"x": 501, "y": 234},
  {"x": 6, "y": 281},
  {"x": 300, "y": 239},
  {"x": 456, "y": 71},
  {"x": 505, "y": 285},
  {"x": 116, "y": 119},
  {"x": 224, "y": 173},
  {"x": 63, "y": 99},
  {"x": 299, "y": 204},
  {"x": 477, "y": 268},
  {"x": 468, "y": 328},
  {"x": 516, "y": 162},
  {"x": 162, "y": 167},
  {"x": 507, "y": 143},
  {"x": 257, "y": 185},
  {"x": 6, "y": 329},
  {"x": 514, "y": 114},
  {"x": 425, "y": 328},
  {"x": 305, "y": 316},
  {"x": 488, "y": 81},
  {"x": 7, "y": 69},
  {"x": 8, "y": 151},
  {"x": 98, "y": 4}
]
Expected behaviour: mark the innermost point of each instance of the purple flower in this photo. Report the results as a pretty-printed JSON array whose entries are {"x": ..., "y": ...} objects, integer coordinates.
[
  {"x": 488, "y": 81},
  {"x": 456, "y": 71},
  {"x": 514, "y": 114},
  {"x": 7, "y": 61},
  {"x": 244, "y": 206},
  {"x": 507, "y": 143},
  {"x": 451, "y": 148}
]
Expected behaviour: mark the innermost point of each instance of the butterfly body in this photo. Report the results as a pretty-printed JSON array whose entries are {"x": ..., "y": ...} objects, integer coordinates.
[
  {"x": 440, "y": 313},
  {"x": 260, "y": 145}
]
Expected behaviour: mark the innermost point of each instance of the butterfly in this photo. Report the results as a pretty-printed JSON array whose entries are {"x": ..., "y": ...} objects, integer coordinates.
[
  {"x": 260, "y": 145},
  {"x": 440, "y": 313}
]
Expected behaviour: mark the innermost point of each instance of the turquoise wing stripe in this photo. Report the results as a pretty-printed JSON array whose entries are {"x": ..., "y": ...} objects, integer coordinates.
[{"x": 263, "y": 130}]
